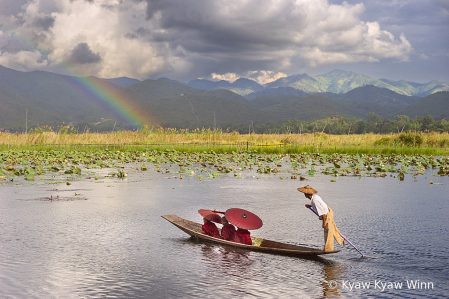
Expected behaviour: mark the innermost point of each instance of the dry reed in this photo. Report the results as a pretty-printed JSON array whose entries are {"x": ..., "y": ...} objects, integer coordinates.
[{"x": 204, "y": 136}]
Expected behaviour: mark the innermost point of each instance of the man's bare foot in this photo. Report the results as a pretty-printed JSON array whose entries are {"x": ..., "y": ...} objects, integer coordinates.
[{"x": 344, "y": 243}]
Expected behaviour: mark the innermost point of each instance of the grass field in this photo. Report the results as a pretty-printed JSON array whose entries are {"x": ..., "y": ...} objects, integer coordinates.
[{"x": 431, "y": 143}]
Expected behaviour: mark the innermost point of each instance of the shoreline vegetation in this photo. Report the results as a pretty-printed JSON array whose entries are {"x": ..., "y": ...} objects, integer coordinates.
[
  {"x": 198, "y": 140},
  {"x": 209, "y": 154}
]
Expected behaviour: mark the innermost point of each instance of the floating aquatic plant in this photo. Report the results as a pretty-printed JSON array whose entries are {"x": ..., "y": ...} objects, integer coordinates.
[{"x": 30, "y": 164}]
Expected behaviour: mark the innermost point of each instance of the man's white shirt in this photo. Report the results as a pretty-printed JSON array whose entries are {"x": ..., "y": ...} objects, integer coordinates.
[{"x": 318, "y": 205}]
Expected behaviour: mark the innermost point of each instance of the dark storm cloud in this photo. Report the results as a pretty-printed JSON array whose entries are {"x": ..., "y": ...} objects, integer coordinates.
[
  {"x": 44, "y": 23},
  {"x": 209, "y": 26},
  {"x": 225, "y": 38},
  {"x": 82, "y": 54}
]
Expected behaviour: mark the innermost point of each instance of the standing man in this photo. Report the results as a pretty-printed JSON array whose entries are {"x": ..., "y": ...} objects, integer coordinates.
[{"x": 325, "y": 214}]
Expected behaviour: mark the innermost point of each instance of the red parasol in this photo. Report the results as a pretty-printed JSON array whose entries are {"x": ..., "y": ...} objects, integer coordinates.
[
  {"x": 210, "y": 215},
  {"x": 243, "y": 219}
]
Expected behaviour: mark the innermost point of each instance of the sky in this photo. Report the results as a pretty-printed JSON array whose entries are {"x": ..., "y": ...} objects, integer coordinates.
[{"x": 261, "y": 40}]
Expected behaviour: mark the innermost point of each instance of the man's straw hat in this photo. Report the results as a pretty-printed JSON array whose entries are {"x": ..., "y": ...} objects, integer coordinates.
[{"x": 307, "y": 190}]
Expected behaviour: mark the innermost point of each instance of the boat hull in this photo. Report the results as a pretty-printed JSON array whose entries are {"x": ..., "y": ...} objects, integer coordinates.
[{"x": 262, "y": 245}]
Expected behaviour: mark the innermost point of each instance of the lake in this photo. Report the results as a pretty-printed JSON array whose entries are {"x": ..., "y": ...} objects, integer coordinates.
[{"x": 105, "y": 238}]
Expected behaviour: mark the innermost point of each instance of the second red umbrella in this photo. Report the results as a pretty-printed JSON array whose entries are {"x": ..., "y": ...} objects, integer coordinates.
[
  {"x": 210, "y": 215},
  {"x": 243, "y": 219}
]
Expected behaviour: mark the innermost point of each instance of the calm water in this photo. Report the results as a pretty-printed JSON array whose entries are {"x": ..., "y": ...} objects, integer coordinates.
[{"x": 110, "y": 241}]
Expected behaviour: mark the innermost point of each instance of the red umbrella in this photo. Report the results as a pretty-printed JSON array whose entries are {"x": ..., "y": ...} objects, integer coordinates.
[
  {"x": 210, "y": 215},
  {"x": 243, "y": 219}
]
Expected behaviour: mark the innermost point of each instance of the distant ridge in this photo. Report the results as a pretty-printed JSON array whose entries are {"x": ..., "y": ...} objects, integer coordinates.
[
  {"x": 436, "y": 105},
  {"x": 373, "y": 94},
  {"x": 174, "y": 81},
  {"x": 307, "y": 108},
  {"x": 336, "y": 81},
  {"x": 241, "y": 86},
  {"x": 276, "y": 91},
  {"x": 123, "y": 81},
  {"x": 208, "y": 85},
  {"x": 267, "y": 101},
  {"x": 291, "y": 80}
]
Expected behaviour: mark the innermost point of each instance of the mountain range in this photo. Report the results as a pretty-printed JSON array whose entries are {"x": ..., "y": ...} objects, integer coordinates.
[
  {"x": 43, "y": 98},
  {"x": 336, "y": 81}
]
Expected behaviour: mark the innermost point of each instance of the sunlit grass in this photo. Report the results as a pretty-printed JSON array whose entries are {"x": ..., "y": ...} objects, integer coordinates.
[{"x": 205, "y": 139}]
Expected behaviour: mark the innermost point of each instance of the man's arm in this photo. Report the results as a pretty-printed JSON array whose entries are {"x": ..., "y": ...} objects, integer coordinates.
[{"x": 324, "y": 220}]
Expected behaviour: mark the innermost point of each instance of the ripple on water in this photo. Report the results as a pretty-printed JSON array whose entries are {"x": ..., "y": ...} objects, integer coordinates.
[{"x": 116, "y": 244}]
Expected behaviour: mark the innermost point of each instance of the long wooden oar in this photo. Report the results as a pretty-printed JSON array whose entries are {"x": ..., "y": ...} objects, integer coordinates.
[{"x": 363, "y": 256}]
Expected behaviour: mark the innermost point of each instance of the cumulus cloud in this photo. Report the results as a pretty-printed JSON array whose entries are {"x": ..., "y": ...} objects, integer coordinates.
[
  {"x": 258, "y": 39},
  {"x": 82, "y": 54},
  {"x": 262, "y": 77},
  {"x": 228, "y": 77}
]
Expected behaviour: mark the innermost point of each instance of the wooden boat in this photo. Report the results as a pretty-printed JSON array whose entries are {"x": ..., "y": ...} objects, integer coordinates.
[{"x": 259, "y": 244}]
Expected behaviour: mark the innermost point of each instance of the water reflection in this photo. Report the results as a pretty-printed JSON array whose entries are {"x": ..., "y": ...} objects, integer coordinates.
[
  {"x": 233, "y": 269},
  {"x": 227, "y": 261},
  {"x": 224, "y": 269},
  {"x": 332, "y": 274}
]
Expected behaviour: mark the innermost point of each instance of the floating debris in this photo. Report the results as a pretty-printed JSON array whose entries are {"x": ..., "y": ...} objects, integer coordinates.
[
  {"x": 71, "y": 190},
  {"x": 55, "y": 198}
]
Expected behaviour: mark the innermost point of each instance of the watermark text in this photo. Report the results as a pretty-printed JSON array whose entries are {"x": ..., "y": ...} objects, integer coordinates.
[{"x": 380, "y": 285}]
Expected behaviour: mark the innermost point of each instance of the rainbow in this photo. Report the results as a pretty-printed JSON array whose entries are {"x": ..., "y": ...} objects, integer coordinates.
[{"x": 118, "y": 102}]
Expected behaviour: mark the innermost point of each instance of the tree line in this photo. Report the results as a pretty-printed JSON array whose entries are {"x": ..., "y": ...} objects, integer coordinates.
[{"x": 338, "y": 125}]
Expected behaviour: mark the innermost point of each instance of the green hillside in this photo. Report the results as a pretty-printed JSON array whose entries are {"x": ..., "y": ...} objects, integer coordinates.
[
  {"x": 192, "y": 111},
  {"x": 417, "y": 89},
  {"x": 312, "y": 107},
  {"x": 288, "y": 81},
  {"x": 266, "y": 101},
  {"x": 339, "y": 81},
  {"x": 94, "y": 113},
  {"x": 122, "y": 81},
  {"x": 276, "y": 91},
  {"x": 14, "y": 109},
  {"x": 152, "y": 90},
  {"x": 307, "y": 108},
  {"x": 357, "y": 102},
  {"x": 224, "y": 93},
  {"x": 241, "y": 91},
  {"x": 58, "y": 94},
  {"x": 436, "y": 105},
  {"x": 374, "y": 94},
  {"x": 360, "y": 108}
]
